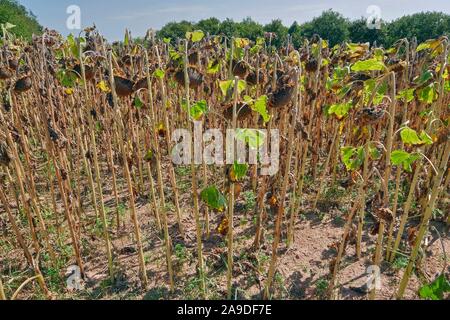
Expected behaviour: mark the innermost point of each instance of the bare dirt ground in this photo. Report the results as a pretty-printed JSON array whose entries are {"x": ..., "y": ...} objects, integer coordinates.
[{"x": 303, "y": 269}]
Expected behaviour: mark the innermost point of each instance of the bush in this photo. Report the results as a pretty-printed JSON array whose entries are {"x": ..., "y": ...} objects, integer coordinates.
[{"x": 25, "y": 22}]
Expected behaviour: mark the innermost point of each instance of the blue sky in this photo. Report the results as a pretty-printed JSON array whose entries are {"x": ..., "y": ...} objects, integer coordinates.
[{"x": 113, "y": 16}]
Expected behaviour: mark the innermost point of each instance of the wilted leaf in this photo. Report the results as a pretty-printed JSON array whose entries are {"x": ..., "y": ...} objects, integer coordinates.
[
  {"x": 399, "y": 156},
  {"x": 254, "y": 138},
  {"x": 255, "y": 49},
  {"x": 424, "y": 78},
  {"x": 197, "y": 110},
  {"x": 260, "y": 106},
  {"x": 353, "y": 158},
  {"x": 227, "y": 87},
  {"x": 392, "y": 50},
  {"x": 428, "y": 94},
  {"x": 369, "y": 87},
  {"x": 214, "y": 198},
  {"x": 426, "y": 139},
  {"x": 67, "y": 79},
  {"x": 74, "y": 44},
  {"x": 103, "y": 87},
  {"x": 432, "y": 44},
  {"x": 423, "y": 46},
  {"x": 260, "y": 41},
  {"x": 241, "y": 42},
  {"x": 403, "y": 158},
  {"x": 340, "y": 73},
  {"x": 406, "y": 95},
  {"x": 213, "y": 67},
  {"x": 159, "y": 74},
  {"x": 368, "y": 65},
  {"x": 174, "y": 55},
  {"x": 410, "y": 137},
  {"x": 357, "y": 47},
  {"x": 195, "y": 36},
  {"x": 340, "y": 110},
  {"x": 379, "y": 54}
]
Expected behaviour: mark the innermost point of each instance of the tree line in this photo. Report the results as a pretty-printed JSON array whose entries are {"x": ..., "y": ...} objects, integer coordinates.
[
  {"x": 25, "y": 22},
  {"x": 330, "y": 25}
]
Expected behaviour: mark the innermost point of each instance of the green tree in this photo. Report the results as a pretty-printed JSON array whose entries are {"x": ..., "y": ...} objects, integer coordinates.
[
  {"x": 211, "y": 26},
  {"x": 424, "y": 26},
  {"x": 359, "y": 32},
  {"x": 228, "y": 28},
  {"x": 277, "y": 27},
  {"x": 249, "y": 29},
  {"x": 175, "y": 30},
  {"x": 330, "y": 25},
  {"x": 25, "y": 21},
  {"x": 296, "y": 34}
]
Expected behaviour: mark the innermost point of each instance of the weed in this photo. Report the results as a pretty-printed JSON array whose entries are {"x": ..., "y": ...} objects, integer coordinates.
[{"x": 321, "y": 287}]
